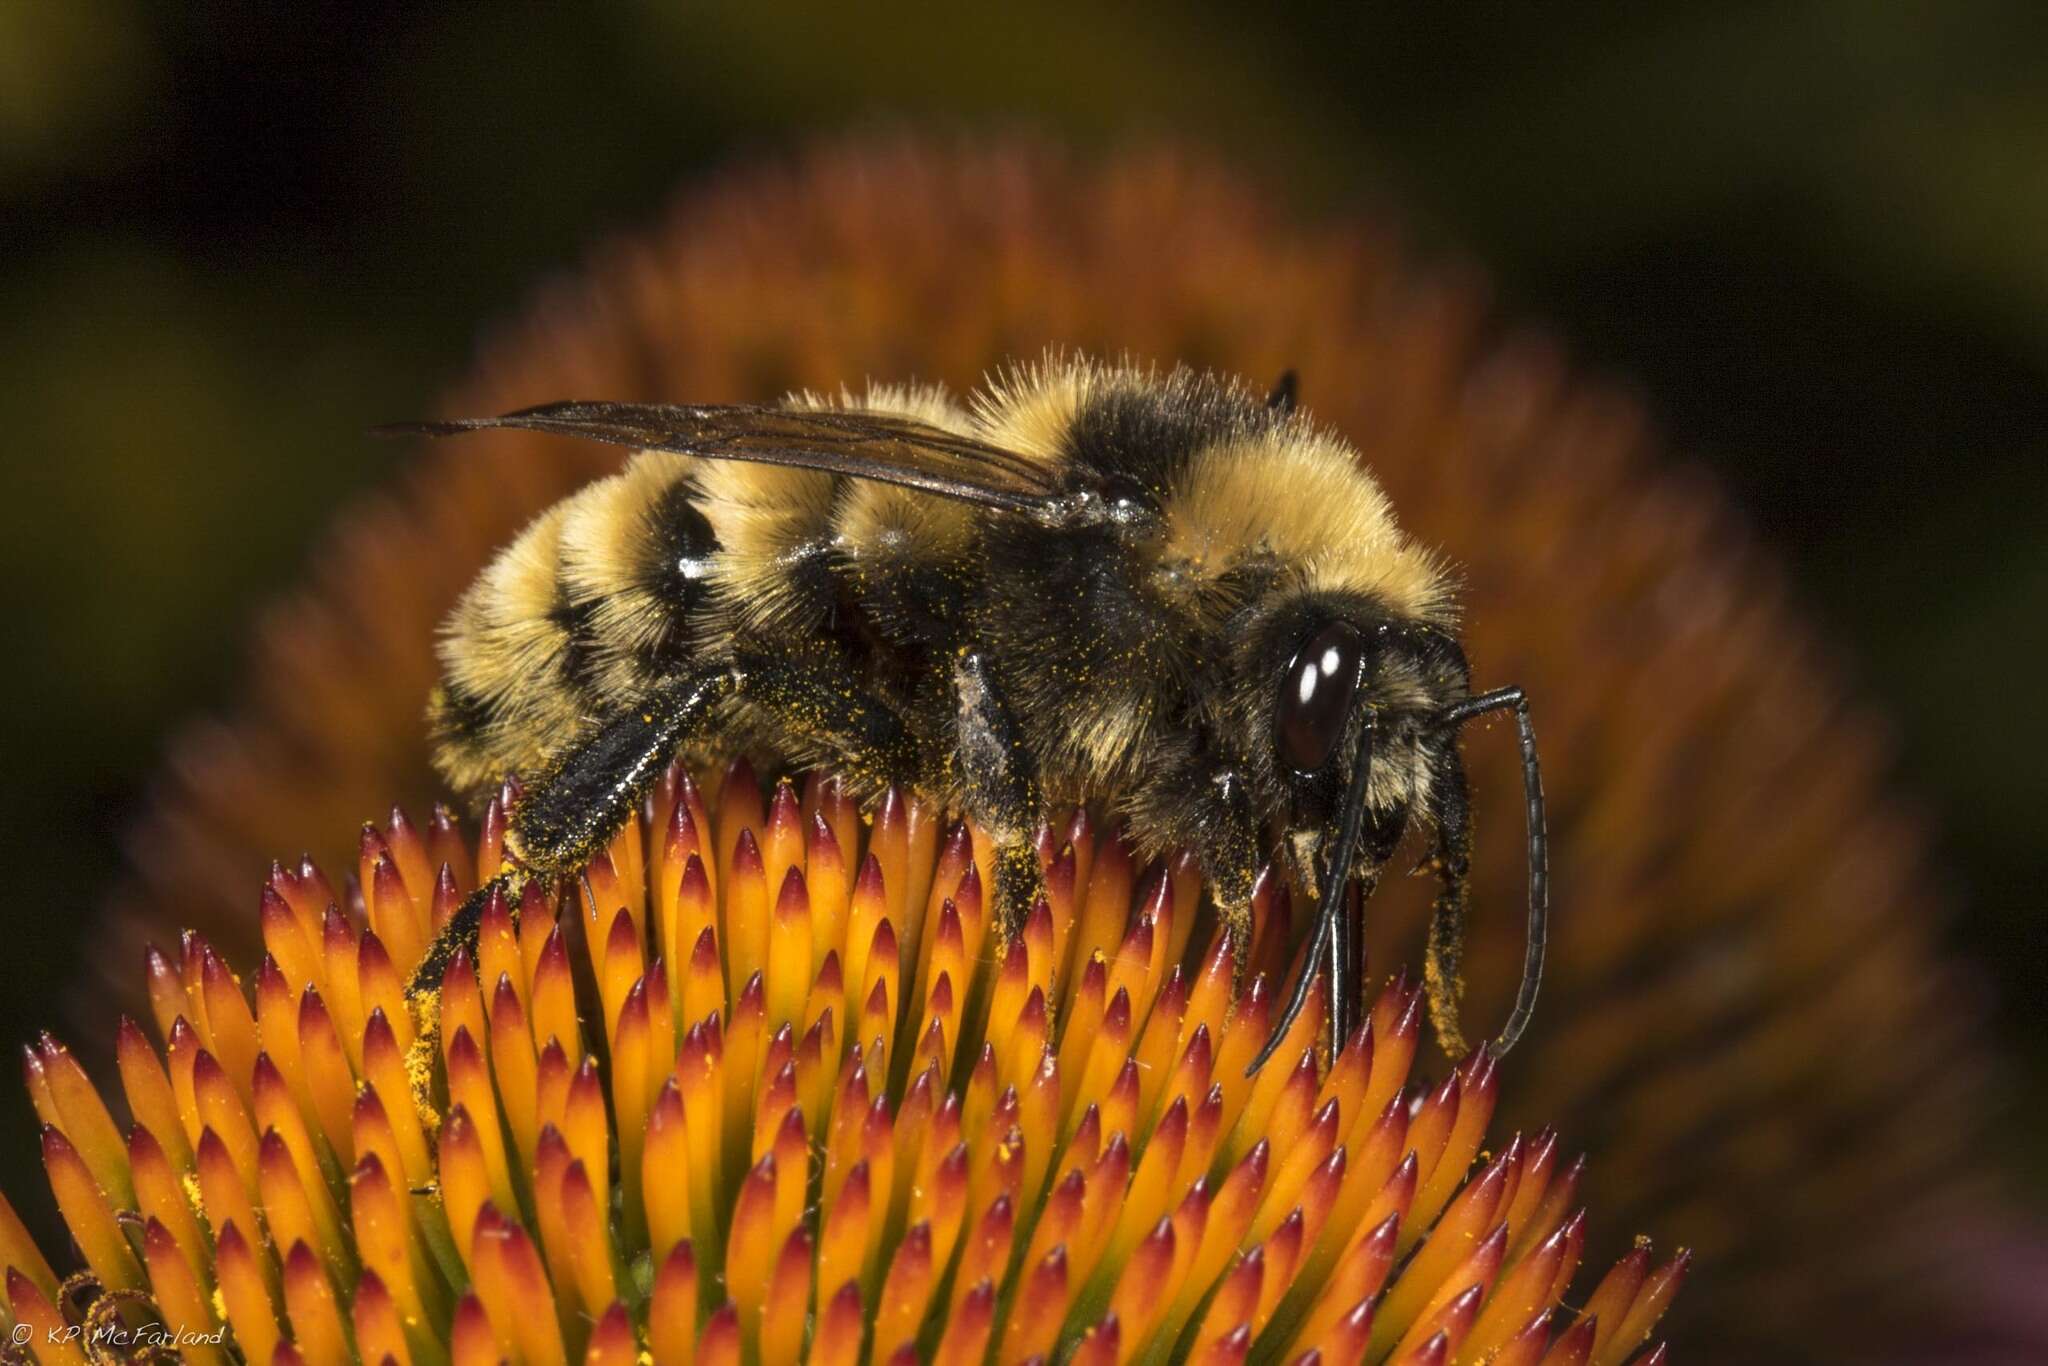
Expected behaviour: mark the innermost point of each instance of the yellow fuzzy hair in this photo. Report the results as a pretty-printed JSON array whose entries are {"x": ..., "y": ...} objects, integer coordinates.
[
  {"x": 886, "y": 519},
  {"x": 608, "y": 548},
  {"x": 504, "y": 648},
  {"x": 1030, "y": 408},
  {"x": 1301, "y": 496}
]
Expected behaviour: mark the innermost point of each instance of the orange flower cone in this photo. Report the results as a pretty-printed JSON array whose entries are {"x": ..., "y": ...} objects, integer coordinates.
[{"x": 766, "y": 1086}]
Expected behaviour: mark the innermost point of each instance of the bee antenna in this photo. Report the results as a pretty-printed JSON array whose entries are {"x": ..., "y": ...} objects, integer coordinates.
[
  {"x": 1512, "y": 699},
  {"x": 1330, "y": 907},
  {"x": 1285, "y": 390}
]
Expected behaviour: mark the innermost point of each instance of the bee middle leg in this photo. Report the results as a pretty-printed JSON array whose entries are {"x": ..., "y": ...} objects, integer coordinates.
[
  {"x": 1001, "y": 787},
  {"x": 1197, "y": 800},
  {"x": 1229, "y": 849}
]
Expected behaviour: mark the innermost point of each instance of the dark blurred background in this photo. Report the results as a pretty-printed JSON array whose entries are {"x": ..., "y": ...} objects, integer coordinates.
[{"x": 1812, "y": 234}]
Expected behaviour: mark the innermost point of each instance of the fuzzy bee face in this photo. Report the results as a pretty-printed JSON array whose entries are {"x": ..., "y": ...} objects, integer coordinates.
[{"x": 1309, "y": 674}]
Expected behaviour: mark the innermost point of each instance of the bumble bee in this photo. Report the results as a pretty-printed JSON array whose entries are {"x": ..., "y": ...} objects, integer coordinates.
[{"x": 1162, "y": 595}]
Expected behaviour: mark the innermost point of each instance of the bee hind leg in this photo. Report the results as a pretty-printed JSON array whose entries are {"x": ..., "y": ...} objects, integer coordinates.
[
  {"x": 826, "y": 701},
  {"x": 459, "y": 933},
  {"x": 584, "y": 799}
]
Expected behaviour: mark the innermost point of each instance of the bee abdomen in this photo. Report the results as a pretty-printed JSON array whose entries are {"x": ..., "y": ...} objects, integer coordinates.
[
  {"x": 510, "y": 684},
  {"x": 597, "y": 600},
  {"x": 461, "y": 726},
  {"x": 638, "y": 560}
]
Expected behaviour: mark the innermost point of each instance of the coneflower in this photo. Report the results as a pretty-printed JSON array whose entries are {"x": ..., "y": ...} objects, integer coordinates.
[
  {"x": 1749, "y": 1016},
  {"x": 766, "y": 1086}
]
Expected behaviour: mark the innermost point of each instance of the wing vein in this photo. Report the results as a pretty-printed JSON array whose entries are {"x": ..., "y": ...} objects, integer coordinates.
[{"x": 877, "y": 446}]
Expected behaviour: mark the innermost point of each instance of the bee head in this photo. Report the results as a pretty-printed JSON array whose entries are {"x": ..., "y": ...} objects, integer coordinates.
[{"x": 1330, "y": 683}]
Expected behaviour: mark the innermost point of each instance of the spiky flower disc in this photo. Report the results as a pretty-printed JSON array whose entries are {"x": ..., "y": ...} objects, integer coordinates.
[{"x": 765, "y": 1086}]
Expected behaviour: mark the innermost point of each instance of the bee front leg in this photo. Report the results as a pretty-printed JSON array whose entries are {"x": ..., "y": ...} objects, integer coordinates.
[
  {"x": 1229, "y": 850},
  {"x": 1000, "y": 782}
]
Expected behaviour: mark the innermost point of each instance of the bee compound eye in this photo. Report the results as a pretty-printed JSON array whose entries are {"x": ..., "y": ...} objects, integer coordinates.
[{"x": 1315, "y": 696}]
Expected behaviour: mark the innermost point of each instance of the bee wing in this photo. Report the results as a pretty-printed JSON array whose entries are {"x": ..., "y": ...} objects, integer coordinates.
[{"x": 894, "y": 450}]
